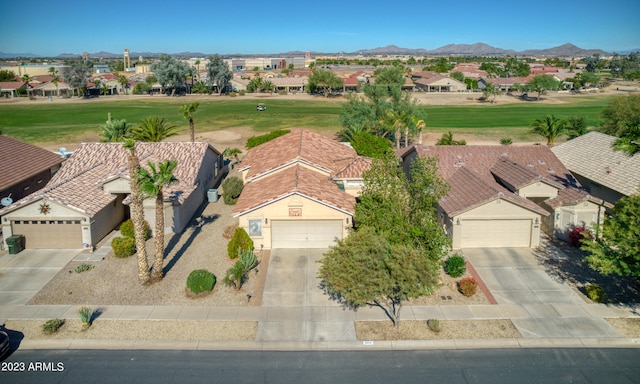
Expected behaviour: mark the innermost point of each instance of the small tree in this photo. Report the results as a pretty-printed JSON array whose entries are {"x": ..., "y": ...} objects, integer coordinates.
[
  {"x": 238, "y": 274},
  {"x": 187, "y": 111},
  {"x": 542, "y": 83},
  {"x": 490, "y": 92},
  {"x": 447, "y": 139},
  {"x": 239, "y": 243},
  {"x": 550, "y": 127},
  {"x": 365, "y": 269},
  {"x": 324, "y": 81}
]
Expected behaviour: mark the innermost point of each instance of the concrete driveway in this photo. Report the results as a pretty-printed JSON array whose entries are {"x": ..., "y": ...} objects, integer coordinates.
[
  {"x": 296, "y": 308},
  {"x": 24, "y": 274},
  {"x": 514, "y": 276}
]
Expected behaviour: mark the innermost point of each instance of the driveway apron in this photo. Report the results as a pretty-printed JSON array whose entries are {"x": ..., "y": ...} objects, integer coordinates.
[
  {"x": 22, "y": 275},
  {"x": 296, "y": 308},
  {"x": 553, "y": 309}
]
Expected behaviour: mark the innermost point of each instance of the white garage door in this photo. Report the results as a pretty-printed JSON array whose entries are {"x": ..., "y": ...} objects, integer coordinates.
[
  {"x": 495, "y": 233},
  {"x": 305, "y": 234},
  {"x": 54, "y": 234}
]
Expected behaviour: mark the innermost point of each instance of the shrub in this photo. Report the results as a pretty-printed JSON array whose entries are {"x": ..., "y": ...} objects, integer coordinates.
[
  {"x": 52, "y": 326},
  {"x": 229, "y": 230},
  {"x": 84, "y": 267},
  {"x": 123, "y": 246},
  {"x": 468, "y": 286},
  {"x": 201, "y": 280},
  {"x": 434, "y": 325},
  {"x": 232, "y": 189},
  {"x": 578, "y": 235},
  {"x": 506, "y": 141},
  {"x": 239, "y": 243},
  {"x": 455, "y": 266},
  {"x": 126, "y": 229},
  {"x": 595, "y": 293},
  {"x": 257, "y": 140},
  {"x": 85, "y": 314}
]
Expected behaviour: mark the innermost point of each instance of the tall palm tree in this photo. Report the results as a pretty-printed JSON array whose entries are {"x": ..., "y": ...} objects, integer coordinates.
[
  {"x": 153, "y": 129},
  {"x": 550, "y": 127},
  {"x": 137, "y": 211},
  {"x": 26, "y": 78},
  {"x": 187, "y": 112},
  {"x": 122, "y": 80},
  {"x": 55, "y": 79},
  {"x": 152, "y": 182},
  {"x": 419, "y": 125}
]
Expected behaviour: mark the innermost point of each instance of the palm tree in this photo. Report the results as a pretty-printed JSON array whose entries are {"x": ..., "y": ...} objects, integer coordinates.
[
  {"x": 115, "y": 131},
  {"x": 187, "y": 112},
  {"x": 122, "y": 80},
  {"x": 137, "y": 211},
  {"x": 153, "y": 129},
  {"x": 26, "y": 78},
  {"x": 549, "y": 127},
  {"x": 55, "y": 80},
  {"x": 152, "y": 182},
  {"x": 419, "y": 125}
]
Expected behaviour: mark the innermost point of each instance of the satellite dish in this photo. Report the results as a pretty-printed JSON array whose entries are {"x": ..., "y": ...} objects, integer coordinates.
[{"x": 6, "y": 201}]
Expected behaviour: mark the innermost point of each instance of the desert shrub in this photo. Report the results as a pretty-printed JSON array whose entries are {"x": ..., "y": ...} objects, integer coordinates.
[
  {"x": 52, "y": 326},
  {"x": 579, "y": 235},
  {"x": 468, "y": 286},
  {"x": 229, "y": 230},
  {"x": 85, "y": 314},
  {"x": 506, "y": 141},
  {"x": 595, "y": 293},
  {"x": 239, "y": 243},
  {"x": 434, "y": 325},
  {"x": 126, "y": 229},
  {"x": 83, "y": 268},
  {"x": 200, "y": 280},
  {"x": 123, "y": 246},
  {"x": 257, "y": 140},
  {"x": 455, "y": 266},
  {"x": 242, "y": 92},
  {"x": 232, "y": 189},
  {"x": 233, "y": 94}
]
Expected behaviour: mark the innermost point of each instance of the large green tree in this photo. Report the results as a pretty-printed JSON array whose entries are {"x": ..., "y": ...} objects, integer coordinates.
[
  {"x": 542, "y": 83},
  {"x": 218, "y": 73},
  {"x": 617, "y": 249},
  {"x": 152, "y": 182},
  {"x": 153, "y": 129},
  {"x": 7, "y": 75},
  {"x": 324, "y": 81},
  {"x": 620, "y": 114},
  {"x": 550, "y": 127},
  {"x": 78, "y": 75},
  {"x": 171, "y": 72},
  {"x": 187, "y": 112},
  {"x": 490, "y": 92},
  {"x": 366, "y": 269}
]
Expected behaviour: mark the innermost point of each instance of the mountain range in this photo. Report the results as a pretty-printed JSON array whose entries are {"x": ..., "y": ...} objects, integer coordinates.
[{"x": 477, "y": 49}]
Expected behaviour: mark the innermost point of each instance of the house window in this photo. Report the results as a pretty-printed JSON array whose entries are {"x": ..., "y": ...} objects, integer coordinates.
[
  {"x": 255, "y": 228},
  {"x": 18, "y": 222}
]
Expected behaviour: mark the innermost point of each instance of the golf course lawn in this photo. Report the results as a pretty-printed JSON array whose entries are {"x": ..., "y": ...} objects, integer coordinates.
[{"x": 41, "y": 122}]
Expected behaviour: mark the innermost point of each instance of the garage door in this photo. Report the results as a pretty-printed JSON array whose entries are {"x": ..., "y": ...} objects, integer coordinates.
[
  {"x": 495, "y": 233},
  {"x": 56, "y": 234},
  {"x": 305, "y": 234}
]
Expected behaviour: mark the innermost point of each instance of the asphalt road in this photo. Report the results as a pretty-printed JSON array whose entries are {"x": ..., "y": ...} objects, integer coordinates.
[{"x": 519, "y": 366}]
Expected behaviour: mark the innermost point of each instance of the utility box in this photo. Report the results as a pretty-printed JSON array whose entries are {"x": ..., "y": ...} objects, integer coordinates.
[
  {"x": 212, "y": 195},
  {"x": 15, "y": 244}
]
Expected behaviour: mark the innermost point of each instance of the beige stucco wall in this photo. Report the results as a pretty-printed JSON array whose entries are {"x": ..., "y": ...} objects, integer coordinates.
[
  {"x": 279, "y": 210},
  {"x": 568, "y": 217},
  {"x": 105, "y": 221},
  {"x": 498, "y": 209},
  {"x": 538, "y": 189}
]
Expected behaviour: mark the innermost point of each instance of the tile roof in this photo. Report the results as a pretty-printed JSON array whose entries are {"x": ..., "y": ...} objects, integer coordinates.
[
  {"x": 592, "y": 157},
  {"x": 481, "y": 165},
  {"x": 9, "y": 85},
  {"x": 574, "y": 196},
  {"x": 352, "y": 168},
  {"x": 21, "y": 161},
  {"x": 300, "y": 145},
  {"x": 79, "y": 182},
  {"x": 298, "y": 180}
]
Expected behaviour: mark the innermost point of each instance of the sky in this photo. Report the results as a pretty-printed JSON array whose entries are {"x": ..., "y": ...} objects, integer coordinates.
[{"x": 259, "y": 27}]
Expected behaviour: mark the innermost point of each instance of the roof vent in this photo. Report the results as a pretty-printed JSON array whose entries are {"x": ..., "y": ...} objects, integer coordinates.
[{"x": 62, "y": 151}]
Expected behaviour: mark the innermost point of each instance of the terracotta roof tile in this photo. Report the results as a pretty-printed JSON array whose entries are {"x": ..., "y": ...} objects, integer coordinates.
[
  {"x": 352, "y": 168},
  {"x": 515, "y": 175},
  {"x": 21, "y": 161},
  {"x": 293, "y": 180}
]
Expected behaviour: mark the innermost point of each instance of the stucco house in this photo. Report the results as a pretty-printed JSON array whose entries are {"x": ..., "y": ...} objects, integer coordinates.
[
  {"x": 26, "y": 168},
  {"x": 299, "y": 191},
  {"x": 504, "y": 196},
  {"x": 603, "y": 172},
  {"x": 87, "y": 198},
  {"x": 434, "y": 82}
]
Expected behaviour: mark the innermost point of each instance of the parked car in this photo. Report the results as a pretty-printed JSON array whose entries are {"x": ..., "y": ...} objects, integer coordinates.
[
  {"x": 4, "y": 343},
  {"x": 261, "y": 107}
]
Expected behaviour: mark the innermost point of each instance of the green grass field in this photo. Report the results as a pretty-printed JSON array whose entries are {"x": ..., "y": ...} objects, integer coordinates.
[{"x": 52, "y": 122}]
